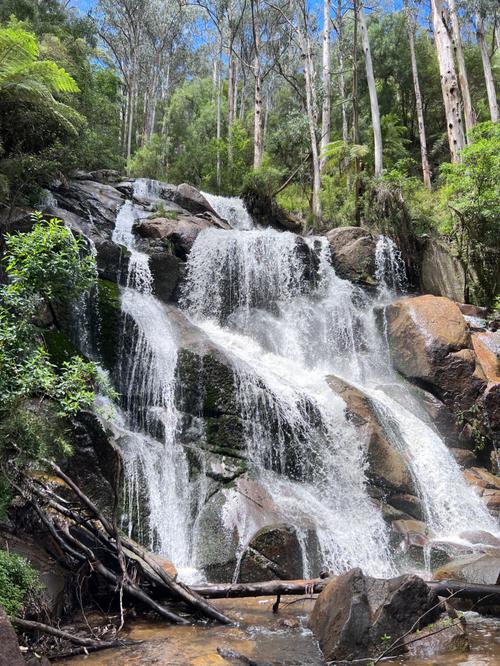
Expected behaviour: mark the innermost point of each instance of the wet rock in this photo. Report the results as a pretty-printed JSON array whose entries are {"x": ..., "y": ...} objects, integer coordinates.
[
  {"x": 10, "y": 654},
  {"x": 274, "y": 552},
  {"x": 490, "y": 401},
  {"x": 166, "y": 271},
  {"x": 481, "y": 569},
  {"x": 441, "y": 273},
  {"x": 482, "y": 479},
  {"x": 408, "y": 504},
  {"x": 191, "y": 199},
  {"x": 110, "y": 320},
  {"x": 386, "y": 466},
  {"x": 100, "y": 175},
  {"x": 180, "y": 231},
  {"x": 443, "y": 637},
  {"x": 112, "y": 260},
  {"x": 464, "y": 457},
  {"x": 476, "y": 311},
  {"x": 353, "y": 253},
  {"x": 355, "y": 613}
]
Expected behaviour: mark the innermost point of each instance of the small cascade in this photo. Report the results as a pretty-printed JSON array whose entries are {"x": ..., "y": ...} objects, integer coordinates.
[
  {"x": 155, "y": 464},
  {"x": 390, "y": 269},
  {"x": 231, "y": 209}
]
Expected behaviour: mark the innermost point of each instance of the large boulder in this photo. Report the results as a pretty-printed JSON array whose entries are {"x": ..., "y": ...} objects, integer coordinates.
[
  {"x": 191, "y": 199},
  {"x": 486, "y": 346},
  {"x": 439, "y": 356},
  {"x": 386, "y": 466},
  {"x": 10, "y": 654},
  {"x": 441, "y": 274},
  {"x": 355, "y": 614},
  {"x": 483, "y": 569},
  {"x": 274, "y": 552},
  {"x": 444, "y": 637},
  {"x": 353, "y": 253}
]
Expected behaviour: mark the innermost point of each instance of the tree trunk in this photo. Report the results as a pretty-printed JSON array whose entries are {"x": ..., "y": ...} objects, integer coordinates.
[
  {"x": 375, "y": 113},
  {"x": 449, "y": 82},
  {"x": 462, "y": 72},
  {"x": 305, "y": 48},
  {"x": 426, "y": 172},
  {"x": 219, "y": 115},
  {"x": 355, "y": 112},
  {"x": 340, "y": 48},
  {"x": 258, "y": 137},
  {"x": 488, "y": 74},
  {"x": 326, "y": 106}
]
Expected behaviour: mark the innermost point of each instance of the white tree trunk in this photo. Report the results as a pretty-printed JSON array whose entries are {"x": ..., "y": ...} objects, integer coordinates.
[
  {"x": 305, "y": 48},
  {"x": 426, "y": 172},
  {"x": 340, "y": 48},
  {"x": 375, "y": 113},
  {"x": 449, "y": 81},
  {"x": 488, "y": 74},
  {"x": 326, "y": 106},
  {"x": 462, "y": 72},
  {"x": 258, "y": 143}
]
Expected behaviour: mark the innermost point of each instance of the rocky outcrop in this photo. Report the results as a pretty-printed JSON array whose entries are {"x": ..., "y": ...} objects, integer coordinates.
[
  {"x": 10, "y": 654},
  {"x": 355, "y": 614},
  {"x": 441, "y": 273},
  {"x": 440, "y": 357},
  {"x": 353, "y": 254},
  {"x": 487, "y": 485},
  {"x": 481, "y": 569},
  {"x": 387, "y": 468}
]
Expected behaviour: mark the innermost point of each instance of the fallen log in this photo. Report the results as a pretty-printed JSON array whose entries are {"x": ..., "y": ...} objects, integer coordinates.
[
  {"x": 445, "y": 588},
  {"x": 264, "y": 589}
]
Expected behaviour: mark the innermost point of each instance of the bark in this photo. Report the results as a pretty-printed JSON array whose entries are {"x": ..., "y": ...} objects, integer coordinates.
[
  {"x": 219, "y": 115},
  {"x": 326, "y": 106},
  {"x": 257, "y": 72},
  {"x": 305, "y": 48},
  {"x": 449, "y": 81},
  {"x": 488, "y": 73},
  {"x": 342, "y": 90},
  {"x": 372, "y": 90},
  {"x": 426, "y": 172},
  {"x": 462, "y": 72},
  {"x": 355, "y": 112},
  {"x": 445, "y": 588}
]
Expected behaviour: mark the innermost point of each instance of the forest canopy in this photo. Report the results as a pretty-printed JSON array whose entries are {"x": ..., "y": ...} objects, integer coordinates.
[{"x": 320, "y": 104}]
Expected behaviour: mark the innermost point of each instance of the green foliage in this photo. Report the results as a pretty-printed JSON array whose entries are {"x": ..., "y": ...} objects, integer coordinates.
[
  {"x": 49, "y": 261},
  {"x": 150, "y": 161},
  {"x": 472, "y": 196},
  {"x": 17, "y": 580}
]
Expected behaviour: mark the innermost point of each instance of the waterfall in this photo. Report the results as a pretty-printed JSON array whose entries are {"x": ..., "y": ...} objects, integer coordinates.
[
  {"x": 288, "y": 321},
  {"x": 231, "y": 209},
  {"x": 156, "y": 468}
]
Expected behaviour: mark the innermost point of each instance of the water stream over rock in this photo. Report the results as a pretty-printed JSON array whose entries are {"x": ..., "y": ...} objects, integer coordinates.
[{"x": 287, "y": 325}]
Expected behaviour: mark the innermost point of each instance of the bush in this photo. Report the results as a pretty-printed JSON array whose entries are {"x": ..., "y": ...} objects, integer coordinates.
[{"x": 17, "y": 580}]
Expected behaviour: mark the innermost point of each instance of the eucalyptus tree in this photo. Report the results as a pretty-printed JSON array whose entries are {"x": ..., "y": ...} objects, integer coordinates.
[
  {"x": 449, "y": 81},
  {"x": 462, "y": 71},
  {"x": 411, "y": 27},
  {"x": 483, "y": 9}
]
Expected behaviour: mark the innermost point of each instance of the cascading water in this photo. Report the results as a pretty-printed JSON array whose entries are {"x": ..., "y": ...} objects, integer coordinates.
[
  {"x": 275, "y": 304},
  {"x": 155, "y": 464},
  {"x": 231, "y": 209}
]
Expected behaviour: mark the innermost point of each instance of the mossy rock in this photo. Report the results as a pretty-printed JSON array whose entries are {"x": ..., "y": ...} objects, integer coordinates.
[
  {"x": 109, "y": 304},
  {"x": 59, "y": 347}
]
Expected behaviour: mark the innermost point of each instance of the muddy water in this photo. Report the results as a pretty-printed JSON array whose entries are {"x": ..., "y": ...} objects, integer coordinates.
[{"x": 267, "y": 639}]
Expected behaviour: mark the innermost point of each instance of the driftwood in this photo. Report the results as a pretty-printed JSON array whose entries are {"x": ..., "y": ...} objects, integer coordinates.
[
  {"x": 83, "y": 536},
  {"x": 82, "y": 641},
  {"x": 445, "y": 588}
]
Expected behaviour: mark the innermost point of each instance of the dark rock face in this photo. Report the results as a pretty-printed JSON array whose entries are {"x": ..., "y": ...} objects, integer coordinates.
[
  {"x": 354, "y": 613},
  {"x": 112, "y": 260},
  {"x": 274, "y": 552},
  {"x": 353, "y": 254},
  {"x": 10, "y": 654}
]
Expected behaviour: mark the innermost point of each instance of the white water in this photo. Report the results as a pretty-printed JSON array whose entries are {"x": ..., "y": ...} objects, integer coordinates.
[
  {"x": 156, "y": 471},
  {"x": 286, "y": 333},
  {"x": 231, "y": 209}
]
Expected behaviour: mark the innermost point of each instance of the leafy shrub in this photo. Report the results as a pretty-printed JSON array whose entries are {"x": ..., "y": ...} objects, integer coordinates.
[{"x": 17, "y": 580}]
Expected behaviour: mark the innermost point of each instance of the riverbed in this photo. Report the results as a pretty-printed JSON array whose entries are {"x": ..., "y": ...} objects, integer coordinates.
[{"x": 265, "y": 639}]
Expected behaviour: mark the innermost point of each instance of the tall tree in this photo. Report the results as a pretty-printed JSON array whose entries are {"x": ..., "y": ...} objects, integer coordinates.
[
  {"x": 410, "y": 22},
  {"x": 462, "y": 72},
  {"x": 449, "y": 81},
  {"x": 488, "y": 73},
  {"x": 258, "y": 137},
  {"x": 372, "y": 90},
  {"x": 326, "y": 106}
]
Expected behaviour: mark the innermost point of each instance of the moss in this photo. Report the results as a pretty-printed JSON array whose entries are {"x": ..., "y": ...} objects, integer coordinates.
[
  {"x": 59, "y": 347},
  {"x": 109, "y": 303}
]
